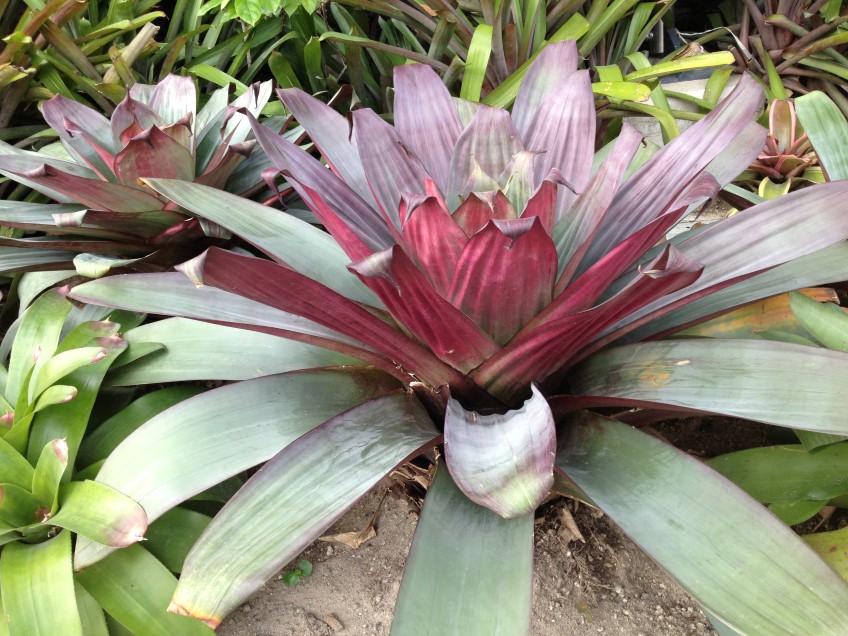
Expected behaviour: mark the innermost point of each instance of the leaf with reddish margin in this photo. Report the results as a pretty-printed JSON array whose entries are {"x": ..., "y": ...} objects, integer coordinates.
[
  {"x": 155, "y": 155},
  {"x": 426, "y": 119},
  {"x": 362, "y": 219},
  {"x": 234, "y": 155},
  {"x": 503, "y": 462},
  {"x": 505, "y": 276},
  {"x": 130, "y": 118},
  {"x": 100, "y": 195},
  {"x": 81, "y": 129},
  {"x": 543, "y": 205},
  {"x": 331, "y": 133},
  {"x": 389, "y": 167},
  {"x": 537, "y": 352},
  {"x": 553, "y": 64},
  {"x": 768, "y": 234},
  {"x": 338, "y": 229},
  {"x": 573, "y": 233},
  {"x": 562, "y": 131},
  {"x": 411, "y": 299},
  {"x": 289, "y": 291},
  {"x": 173, "y": 98},
  {"x": 479, "y": 208},
  {"x": 488, "y": 144},
  {"x": 180, "y": 132},
  {"x": 435, "y": 242},
  {"x": 14, "y": 163},
  {"x": 666, "y": 174}
]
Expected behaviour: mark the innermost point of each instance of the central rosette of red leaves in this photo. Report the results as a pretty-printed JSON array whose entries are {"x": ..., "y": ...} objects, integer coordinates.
[{"x": 490, "y": 240}]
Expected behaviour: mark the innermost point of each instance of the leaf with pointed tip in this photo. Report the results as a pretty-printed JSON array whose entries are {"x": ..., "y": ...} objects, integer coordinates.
[
  {"x": 679, "y": 511},
  {"x": 290, "y": 291},
  {"x": 155, "y": 155},
  {"x": 61, "y": 365},
  {"x": 389, "y": 167},
  {"x": 231, "y": 560},
  {"x": 99, "y": 443},
  {"x": 642, "y": 197},
  {"x": 48, "y": 472},
  {"x": 134, "y": 588},
  {"x": 201, "y": 351},
  {"x": 448, "y": 332},
  {"x": 505, "y": 276},
  {"x": 825, "y": 126},
  {"x": 682, "y": 373},
  {"x": 332, "y": 134},
  {"x": 563, "y": 130},
  {"x": 488, "y": 143},
  {"x": 784, "y": 474},
  {"x": 285, "y": 238},
  {"x": 364, "y": 220},
  {"x": 539, "y": 350},
  {"x": 173, "y": 98},
  {"x": 38, "y": 588},
  {"x": 130, "y": 118},
  {"x": 426, "y": 119},
  {"x": 100, "y": 513},
  {"x": 203, "y": 440},
  {"x": 503, "y": 462},
  {"x": 479, "y": 208},
  {"x": 435, "y": 242},
  {"x": 469, "y": 571},
  {"x": 552, "y": 65}
]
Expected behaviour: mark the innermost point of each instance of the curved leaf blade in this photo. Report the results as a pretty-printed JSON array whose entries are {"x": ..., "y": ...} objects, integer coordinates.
[{"x": 733, "y": 556}]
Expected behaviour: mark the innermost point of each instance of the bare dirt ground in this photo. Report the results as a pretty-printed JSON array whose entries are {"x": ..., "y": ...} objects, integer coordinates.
[{"x": 605, "y": 585}]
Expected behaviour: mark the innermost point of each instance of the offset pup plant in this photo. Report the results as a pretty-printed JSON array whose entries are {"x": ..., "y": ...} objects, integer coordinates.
[
  {"x": 103, "y": 217},
  {"x": 495, "y": 288}
]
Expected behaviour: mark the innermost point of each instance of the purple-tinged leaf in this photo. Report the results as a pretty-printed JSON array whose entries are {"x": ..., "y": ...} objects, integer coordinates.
[
  {"x": 153, "y": 154},
  {"x": 435, "y": 242},
  {"x": 553, "y": 64},
  {"x": 738, "y": 154},
  {"x": 479, "y": 208},
  {"x": 539, "y": 351},
  {"x": 503, "y": 462},
  {"x": 505, "y": 276},
  {"x": 488, "y": 144},
  {"x": 360, "y": 217},
  {"x": 426, "y": 119},
  {"x": 129, "y": 119},
  {"x": 392, "y": 171},
  {"x": 543, "y": 205},
  {"x": 766, "y": 235},
  {"x": 332, "y": 135},
  {"x": 14, "y": 163},
  {"x": 348, "y": 240},
  {"x": 100, "y": 195},
  {"x": 562, "y": 131},
  {"x": 180, "y": 131},
  {"x": 573, "y": 233},
  {"x": 410, "y": 298},
  {"x": 217, "y": 177},
  {"x": 667, "y": 173},
  {"x": 97, "y": 247},
  {"x": 174, "y": 98},
  {"x": 289, "y": 291},
  {"x": 231, "y": 560},
  {"x": 81, "y": 129}
]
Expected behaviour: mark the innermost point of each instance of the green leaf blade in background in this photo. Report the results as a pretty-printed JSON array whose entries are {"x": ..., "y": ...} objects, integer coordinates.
[
  {"x": 827, "y": 130},
  {"x": 469, "y": 571},
  {"x": 477, "y": 63},
  {"x": 738, "y": 560}
]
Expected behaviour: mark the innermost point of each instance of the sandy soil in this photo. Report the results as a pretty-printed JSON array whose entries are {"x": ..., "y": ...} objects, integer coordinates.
[{"x": 604, "y": 585}]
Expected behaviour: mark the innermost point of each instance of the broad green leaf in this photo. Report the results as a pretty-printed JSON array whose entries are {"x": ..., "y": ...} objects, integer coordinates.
[
  {"x": 172, "y": 535},
  {"x": 202, "y": 351},
  {"x": 38, "y": 588},
  {"x": 105, "y": 438},
  {"x": 705, "y": 60},
  {"x": 827, "y": 322},
  {"x": 134, "y": 588},
  {"x": 232, "y": 558},
  {"x": 772, "y": 382},
  {"x": 632, "y": 91},
  {"x": 469, "y": 571},
  {"x": 210, "y": 437},
  {"x": 733, "y": 556},
  {"x": 832, "y": 547},
  {"x": 100, "y": 513},
  {"x": 14, "y": 468},
  {"x": 61, "y": 365},
  {"x": 217, "y": 76},
  {"x": 302, "y": 246},
  {"x": 811, "y": 440},
  {"x": 91, "y": 614},
  {"x": 794, "y": 512},
  {"x": 48, "y": 472},
  {"x": 477, "y": 62},
  {"x": 827, "y": 130},
  {"x": 787, "y": 473}
]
